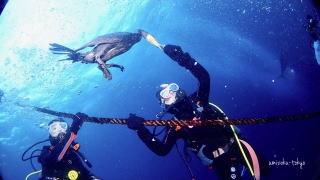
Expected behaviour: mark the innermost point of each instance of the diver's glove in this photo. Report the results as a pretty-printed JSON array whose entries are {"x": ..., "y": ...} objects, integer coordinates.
[
  {"x": 78, "y": 121},
  {"x": 176, "y": 54},
  {"x": 173, "y": 51},
  {"x": 135, "y": 122}
]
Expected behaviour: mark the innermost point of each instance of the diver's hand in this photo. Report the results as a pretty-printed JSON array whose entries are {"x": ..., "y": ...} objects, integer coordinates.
[
  {"x": 175, "y": 53},
  {"x": 78, "y": 119},
  {"x": 172, "y": 50},
  {"x": 135, "y": 122}
]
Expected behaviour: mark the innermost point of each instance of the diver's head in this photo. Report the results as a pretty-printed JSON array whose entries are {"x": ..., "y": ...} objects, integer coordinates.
[
  {"x": 57, "y": 130},
  {"x": 170, "y": 94}
]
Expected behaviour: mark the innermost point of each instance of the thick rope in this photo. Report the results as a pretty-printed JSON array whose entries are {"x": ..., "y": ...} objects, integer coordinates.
[{"x": 242, "y": 121}]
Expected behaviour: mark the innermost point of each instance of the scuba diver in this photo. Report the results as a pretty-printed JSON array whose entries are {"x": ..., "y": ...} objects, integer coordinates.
[
  {"x": 215, "y": 146},
  {"x": 312, "y": 26},
  {"x": 62, "y": 160}
]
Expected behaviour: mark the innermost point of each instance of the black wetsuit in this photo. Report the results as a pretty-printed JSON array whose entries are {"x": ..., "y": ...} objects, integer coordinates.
[
  {"x": 54, "y": 167},
  {"x": 203, "y": 139}
]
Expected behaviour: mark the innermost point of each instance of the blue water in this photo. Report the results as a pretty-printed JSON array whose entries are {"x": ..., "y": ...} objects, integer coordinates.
[{"x": 239, "y": 42}]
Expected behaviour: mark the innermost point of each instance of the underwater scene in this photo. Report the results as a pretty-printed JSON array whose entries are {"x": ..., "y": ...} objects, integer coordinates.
[{"x": 159, "y": 89}]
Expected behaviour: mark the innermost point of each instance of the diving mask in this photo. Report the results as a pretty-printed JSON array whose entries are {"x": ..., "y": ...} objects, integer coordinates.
[
  {"x": 168, "y": 94},
  {"x": 57, "y": 127}
]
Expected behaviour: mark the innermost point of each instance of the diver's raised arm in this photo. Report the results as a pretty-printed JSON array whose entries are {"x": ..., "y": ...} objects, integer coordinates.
[
  {"x": 184, "y": 60},
  {"x": 198, "y": 71}
]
